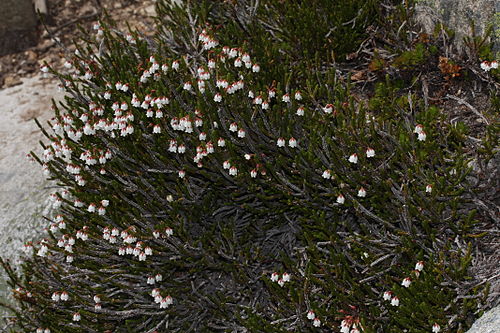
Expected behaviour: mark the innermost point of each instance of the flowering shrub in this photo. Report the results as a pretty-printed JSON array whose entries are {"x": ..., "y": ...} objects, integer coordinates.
[
  {"x": 286, "y": 36},
  {"x": 197, "y": 195}
]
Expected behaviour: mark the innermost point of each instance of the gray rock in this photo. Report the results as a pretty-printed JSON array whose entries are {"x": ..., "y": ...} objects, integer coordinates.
[
  {"x": 488, "y": 323},
  {"x": 457, "y": 15},
  {"x": 23, "y": 188},
  {"x": 18, "y": 25}
]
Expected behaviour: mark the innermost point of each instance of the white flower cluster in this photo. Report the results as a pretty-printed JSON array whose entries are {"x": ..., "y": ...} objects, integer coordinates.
[
  {"x": 164, "y": 302},
  {"x": 292, "y": 142},
  {"x": 67, "y": 242},
  {"x": 489, "y": 65},
  {"x": 389, "y": 295},
  {"x": 207, "y": 41},
  {"x": 419, "y": 130},
  {"x": 60, "y": 296},
  {"x": 312, "y": 316},
  {"x": 42, "y": 330},
  {"x": 349, "y": 326},
  {"x": 281, "y": 281},
  {"x": 42, "y": 251},
  {"x": 97, "y": 301},
  {"x": 153, "y": 279}
]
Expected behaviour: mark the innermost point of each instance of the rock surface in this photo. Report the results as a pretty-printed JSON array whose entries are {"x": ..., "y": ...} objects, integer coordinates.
[
  {"x": 457, "y": 15},
  {"x": 18, "y": 25},
  {"x": 488, "y": 323},
  {"x": 23, "y": 189}
]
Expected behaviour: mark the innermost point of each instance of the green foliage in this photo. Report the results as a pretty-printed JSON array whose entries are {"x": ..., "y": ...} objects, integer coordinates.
[
  {"x": 412, "y": 58},
  {"x": 480, "y": 46},
  {"x": 285, "y": 36}
]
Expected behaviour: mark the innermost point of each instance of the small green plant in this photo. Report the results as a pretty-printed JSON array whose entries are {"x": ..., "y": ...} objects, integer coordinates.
[
  {"x": 412, "y": 58},
  {"x": 480, "y": 47}
]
